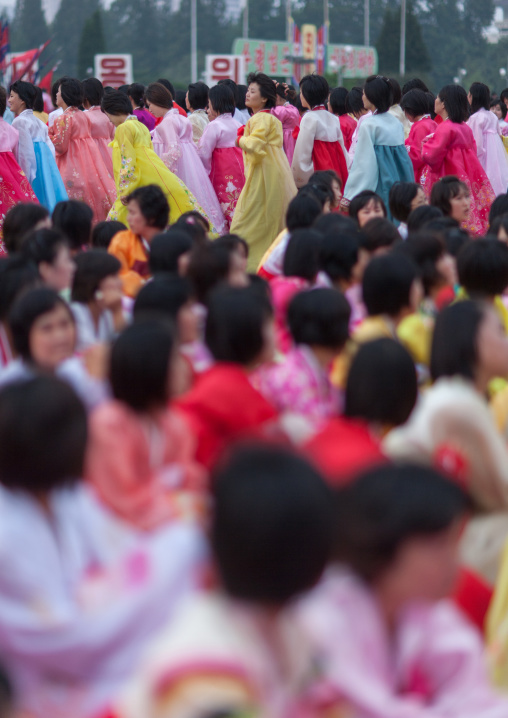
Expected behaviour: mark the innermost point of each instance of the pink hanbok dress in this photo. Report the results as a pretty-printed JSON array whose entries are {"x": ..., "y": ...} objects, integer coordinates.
[
  {"x": 83, "y": 171},
  {"x": 103, "y": 132},
  {"x": 14, "y": 184},
  {"x": 223, "y": 161},
  {"x": 420, "y": 129},
  {"x": 290, "y": 118},
  {"x": 490, "y": 148},
  {"x": 172, "y": 142},
  {"x": 451, "y": 150}
]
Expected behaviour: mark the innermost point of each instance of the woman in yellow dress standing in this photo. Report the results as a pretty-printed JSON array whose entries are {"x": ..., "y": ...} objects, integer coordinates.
[
  {"x": 269, "y": 185},
  {"x": 135, "y": 163}
]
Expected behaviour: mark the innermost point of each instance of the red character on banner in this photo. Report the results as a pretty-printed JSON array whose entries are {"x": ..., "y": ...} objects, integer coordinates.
[
  {"x": 351, "y": 60},
  {"x": 113, "y": 71},
  {"x": 370, "y": 62},
  {"x": 247, "y": 55},
  {"x": 362, "y": 60},
  {"x": 285, "y": 65},
  {"x": 259, "y": 54},
  {"x": 273, "y": 59},
  {"x": 320, "y": 53}
]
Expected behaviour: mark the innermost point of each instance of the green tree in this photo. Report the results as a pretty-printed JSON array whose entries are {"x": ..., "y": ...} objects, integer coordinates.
[
  {"x": 28, "y": 29},
  {"x": 91, "y": 43},
  {"x": 388, "y": 44},
  {"x": 67, "y": 30}
]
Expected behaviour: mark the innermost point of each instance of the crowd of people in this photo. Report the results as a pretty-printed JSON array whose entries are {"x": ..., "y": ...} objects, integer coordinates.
[{"x": 253, "y": 401}]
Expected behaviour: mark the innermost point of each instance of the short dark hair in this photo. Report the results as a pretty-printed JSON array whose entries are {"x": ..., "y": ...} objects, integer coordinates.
[
  {"x": 232, "y": 243},
  {"x": 234, "y": 325},
  {"x": 387, "y": 283},
  {"x": 483, "y": 267},
  {"x": 337, "y": 100},
  {"x": 480, "y": 97},
  {"x": 222, "y": 99},
  {"x": 377, "y": 233},
  {"x": 93, "y": 91},
  {"x": 165, "y": 295},
  {"x": 333, "y": 222},
  {"x": 140, "y": 360},
  {"x": 362, "y": 199},
  {"x": 322, "y": 193},
  {"x": 208, "y": 268},
  {"x": 17, "y": 275},
  {"x": 168, "y": 85},
  {"x": 27, "y": 308},
  {"x": 198, "y": 95},
  {"x": 414, "y": 84},
  {"x": 272, "y": 525},
  {"x": 315, "y": 89},
  {"x": 165, "y": 250},
  {"x": 116, "y": 103},
  {"x": 302, "y": 211},
  {"x": 157, "y": 94},
  {"x": 379, "y": 92},
  {"x": 25, "y": 91},
  {"x": 266, "y": 87},
  {"x": 455, "y": 340},
  {"x": 43, "y": 435},
  {"x": 238, "y": 95},
  {"x": 400, "y": 198},
  {"x": 338, "y": 254},
  {"x": 319, "y": 317},
  {"x": 39, "y": 100},
  {"x": 194, "y": 223},
  {"x": 74, "y": 219},
  {"x": 454, "y": 98},
  {"x": 421, "y": 216},
  {"x": 415, "y": 102},
  {"x": 92, "y": 267},
  {"x": 504, "y": 94},
  {"x": 19, "y": 221},
  {"x": 72, "y": 92},
  {"x": 103, "y": 233},
  {"x": 354, "y": 101},
  {"x": 388, "y": 506},
  {"x": 382, "y": 385},
  {"x": 426, "y": 249},
  {"x": 136, "y": 92},
  {"x": 498, "y": 207},
  {"x": 43, "y": 245},
  {"x": 501, "y": 105},
  {"x": 301, "y": 258},
  {"x": 445, "y": 189},
  {"x": 3, "y": 100},
  {"x": 152, "y": 204},
  {"x": 397, "y": 92}
]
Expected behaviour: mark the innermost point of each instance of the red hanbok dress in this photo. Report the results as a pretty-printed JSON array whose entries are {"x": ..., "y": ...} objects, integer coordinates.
[
  {"x": 419, "y": 129},
  {"x": 14, "y": 184},
  {"x": 452, "y": 151},
  {"x": 348, "y": 125}
]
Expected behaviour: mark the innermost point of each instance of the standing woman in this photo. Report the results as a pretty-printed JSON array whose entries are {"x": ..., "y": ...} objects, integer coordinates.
[
  {"x": 288, "y": 115},
  {"x": 381, "y": 158},
  {"x": 83, "y": 171},
  {"x": 36, "y": 153},
  {"x": 415, "y": 106},
  {"x": 319, "y": 145},
  {"x": 135, "y": 164},
  {"x": 487, "y": 135},
  {"x": 269, "y": 184},
  {"x": 220, "y": 156},
  {"x": 136, "y": 94},
  {"x": 451, "y": 150},
  {"x": 196, "y": 101},
  {"x": 172, "y": 142},
  {"x": 101, "y": 129},
  {"x": 337, "y": 106}
]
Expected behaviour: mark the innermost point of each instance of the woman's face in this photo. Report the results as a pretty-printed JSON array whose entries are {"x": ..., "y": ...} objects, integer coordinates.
[
  {"x": 188, "y": 322},
  {"x": 367, "y": 103},
  {"x": 156, "y": 110},
  {"x": 337, "y": 193},
  {"x": 52, "y": 338},
  {"x": 237, "y": 276},
  {"x": 135, "y": 218},
  {"x": 446, "y": 265},
  {"x": 116, "y": 120},
  {"x": 253, "y": 98},
  {"x": 460, "y": 206},
  {"x": 211, "y": 112},
  {"x": 492, "y": 346},
  {"x": 16, "y": 104},
  {"x": 497, "y": 111},
  {"x": 419, "y": 199},
  {"x": 371, "y": 210},
  {"x": 439, "y": 107},
  {"x": 502, "y": 234},
  {"x": 59, "y": 100},
  {"x": 58, "y": 274},
  {"x": 110, "y": 293}
]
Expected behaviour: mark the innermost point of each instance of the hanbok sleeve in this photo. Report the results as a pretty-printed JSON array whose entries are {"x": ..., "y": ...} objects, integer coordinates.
[
  {"x": 207, "y": 144},
  {"x": 166, "y": 144},
  {"x": 26, "y": 154},
  {"x": 475, "y": 124},
  {"x": 129, "y": 175},
  {"x": 60, "y": 133},
  {"x": 302, "y": 164},
  {"x": 254, "y": 144},
  {"x": 435, "y": 149},
  {"x": 414, "y": 145},
  {"x": 364, "y": 170}
]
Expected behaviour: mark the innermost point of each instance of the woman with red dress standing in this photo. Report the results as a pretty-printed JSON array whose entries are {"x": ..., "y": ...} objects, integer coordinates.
[
  {"x": 337, "y": 106},
  {"x": 415, "y": 104}
]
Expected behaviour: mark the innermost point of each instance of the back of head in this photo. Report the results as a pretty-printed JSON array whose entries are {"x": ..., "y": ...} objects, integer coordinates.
[
  {"x": 379, "y": 233},
  {"x": 415, "y": 103},
  {"x": 74, "y": 219},
  {"x": 382, "y": 385},
  {"x": 116, "y": 103},
  {"x": 454, "y": 343},
  {"x": 43, "y": 245},
  {"x": 421, "y": 216},
  {"x": 167, "y": 84},
  {"x": 198, "y": 95},
  {"x": 315, "y": 90},
  {"x": 71, "y": 91},
  {"x": 354, "y": 101},
  {"x": 222, "y": 99},
  {"x": 480, "y": 97},
  {"x": 136, "y": 92},
  {"x": 272, "y": 525},
  {"x": 208, "y": 268},
  {"x": 426, "y": 249},
  {"x": 337, "y": 100},
  {"x": 92, "y": 267},
  {"x": 414, "y": 84},
  {"x": 301, "y": 258},
  {"x": 338, "y": 255},
  {"x": 498, "y": 207},
  {"x": 303, "y": 210},
  {"x": 454, "y": 98},
  {"x": 379, "y": 91},
  {"x": 140, "y": 364},
  {"x": 334, "y": 223},
  {"x": 17, "y": 275},
  {"x": 39, "y": 100},
  {"x": 164, "y": 296},
  {"x": 166, "y": 249},
  {"x": 387, "y": 284},
  {"x": 93, "y": 91},
  {"x": 397, "y": 92},
  {"x": 387, "y": 507},
  {"x": 235, "y": 324},
  {"x": 319, "y": 317},
  {"x": 401, "y": 196},
  {"x": 19, "y": 221},
  {"x": 103, "y": 233},
  {"x": 194, "y": 224},
  {"x": 483, "y": 267},
  {"x": 323, "y": 193},
  {"x": 43, "y": 435}
]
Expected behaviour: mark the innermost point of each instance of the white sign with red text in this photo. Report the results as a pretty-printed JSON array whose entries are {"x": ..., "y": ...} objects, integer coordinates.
[
  {"x": 114, "y": 70},
  {"x": 223, "y": 67}
]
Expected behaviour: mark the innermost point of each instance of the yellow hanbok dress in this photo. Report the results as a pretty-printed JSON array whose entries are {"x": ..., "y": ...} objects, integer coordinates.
[
  {"x": 135, "y": 164},
  {"x": 260, "y": 213}
]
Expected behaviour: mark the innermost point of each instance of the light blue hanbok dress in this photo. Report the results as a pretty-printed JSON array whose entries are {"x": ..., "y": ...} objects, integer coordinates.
[{"x": 380, "y": 159}]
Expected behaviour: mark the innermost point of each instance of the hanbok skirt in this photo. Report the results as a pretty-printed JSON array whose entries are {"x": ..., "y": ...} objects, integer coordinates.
[
  {"x": 394, "y": 166},
  {"x": 228, "y": 178},
  {"x": 14, "y": 188},
  {"x": 329, "y": 156},
  {"x": 48, "y": 184}
]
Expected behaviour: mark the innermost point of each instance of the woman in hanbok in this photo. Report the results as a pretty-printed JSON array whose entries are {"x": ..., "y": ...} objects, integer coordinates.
[
  {"x": 269, "y": 184},
  {"x": 337, "y": 106},
  {"x": 415, "y": 105},
  {"x": 136, "y": 94},
  {"x": 36, "y": 152},
  {"x": 14, "y": 185},
  {"x": 135, "y": 164},
  {"x": 196, "y": 101},
  {"x": 172, "y": 142},
  {"x": 381, "y": 159},
  {"x": 289, "y": 116},
  {"x": 101, "y": 129},
  {"x": 220, "y": 156},
  {"x": 451, "y": 150},
  {"x": 320, "y": 145},
  {"x": 83, "y": 171},
  {"x": 487, "y": 135}
]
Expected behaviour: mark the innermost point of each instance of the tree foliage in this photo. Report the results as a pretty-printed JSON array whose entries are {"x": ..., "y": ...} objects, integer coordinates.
[
  {"x": 388, "y": 43},
  {"x": 91, "y": 43},
  {"x": 29, "y": 28}
]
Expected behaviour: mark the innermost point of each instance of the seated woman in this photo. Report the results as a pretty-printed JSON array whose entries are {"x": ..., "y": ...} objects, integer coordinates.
[{"x": 49, "y": 250}]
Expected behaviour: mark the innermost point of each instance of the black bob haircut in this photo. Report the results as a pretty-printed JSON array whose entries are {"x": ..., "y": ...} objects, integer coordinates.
[
  {"x": 414, "y": 84},
  {"x": 387, "y": 283},
  {"x": 483, "y": 267},
  {"x": 140, "y": 362},
  {"x": 17, "y": 275},
  {"x": 354, "y": 101},
  {"x": 379, "y": 92},
  {"x": 116, "y": 103},
  {"x": 92, "y": 267},
  {"x": 338, "y": 97},
  {"x": 480, "y": 97},
  {"x": 455, "y": 340},
  {"x": 338, "y": 254},
  {"x": 388, "y": 506},
  {"x": 74, "y": 218},
  {"x": 166, "y": 249},
  {"x": 415, "y": 103},
  {"x": 43, "y": 245},
  {"x": 444, "y": 190},
  {"x": 272, "y": 525},
  {"x": 319, "y": 317},
  {"x": 164, "y": 296},
  {"x": 400, "y": 198},
  {"x": 382, "y": 385},
  {"x": 93, "y": 91},
  {"x": 362, "y": 199},
  {"x": 454, "y": 98},
  {"x": 43, "y": 435},
  {"x": 235, "y": 324},
  {"x": 103, "y": 233},
  {"x": 152, "y": 204},
  {"x": 421, "y": 216},
  {"x": 25, "y": 91},
  {"x": 498, "y": 207},
  {"x": 315, "y": 89},
  {"x": 71, "y": 91},
  {"x": 266, "y": 87},
  {"x": 19, "y": 221},
  {"x": 301, "y": 258},
  {"x": 222, "y": 99},
  {"x": 198, "y": 95}
]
